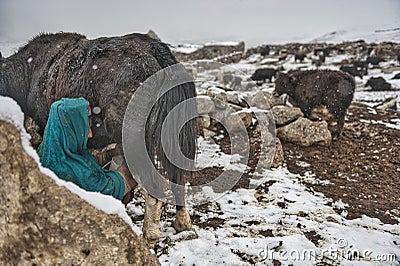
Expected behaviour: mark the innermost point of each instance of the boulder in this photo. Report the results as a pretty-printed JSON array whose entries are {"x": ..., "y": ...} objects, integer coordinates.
[
  {"x": 306, "y": 132},
  {"x": 390, "y": 103},
  {"x": 271, "y": 156},
  {"x": 232, "y": 124},
  {"x": 46, "y": 224},
  {"x": 259, "y": 100},
  {"x": 219, "y": 97},
  {"x": 279, "y": 155},
  {"x": 205, "y": 105},
  {"x": 233, "y": 97},
  {"x": 284, "y": 115},
  {"x": 273, "y": 100}
]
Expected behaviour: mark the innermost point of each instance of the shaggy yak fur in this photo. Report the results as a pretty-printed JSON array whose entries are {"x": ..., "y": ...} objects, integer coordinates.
[
  {"x": 106, "y": 71},
  {"x": 314, "y": 88}
]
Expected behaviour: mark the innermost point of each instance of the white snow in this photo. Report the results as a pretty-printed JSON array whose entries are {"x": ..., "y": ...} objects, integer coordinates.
[{"x": 305, "y": 212}]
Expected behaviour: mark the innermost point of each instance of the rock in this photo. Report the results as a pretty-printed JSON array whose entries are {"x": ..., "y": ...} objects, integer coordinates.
[
  {"x": 153, "y": 35},
  {"x": 273, "y": 100},
  {"x": 208, "y": 133},
  {"x": 279, "y": 155},
  {"x": 33, "y": 129},
  {"x": 378, "y": 84},
  {"x": 233, "y": 97},
  {"x": 46, "y": 224},
  {"x": 259, "y": 100},
  {"x": 271, "y": 156},
  {"x": 205, "y": 105},
  {"x": 219, "y": 97},
  {"x": 221, "y": 52},
  {"x": 232, "y": 124},
  {"x": 390, "y": 103},
  {"x": 284, "y": 115},
  {"x": 205, "y": 121},
  {"x": 234, "y": 107},
  {"x": 306, "y": 132}
]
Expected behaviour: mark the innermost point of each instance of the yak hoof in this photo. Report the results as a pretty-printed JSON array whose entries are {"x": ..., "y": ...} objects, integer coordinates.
[{"x": 182, "y": 221}]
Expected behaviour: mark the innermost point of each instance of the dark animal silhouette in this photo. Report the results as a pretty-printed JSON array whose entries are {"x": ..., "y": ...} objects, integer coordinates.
[
  {"x": 265, "y": 51},
  {"x": 352, "y": 70},
  {"x": 263, "y": 74},
  {"x": 107, "y": 72},
  {"x": 374, "y": 60},
  {"x": 378, "y": 84},
  {"x": 313, "y": 88},
  {"x": 360, "y": 64},
  {"x": 300, "y": 57}
]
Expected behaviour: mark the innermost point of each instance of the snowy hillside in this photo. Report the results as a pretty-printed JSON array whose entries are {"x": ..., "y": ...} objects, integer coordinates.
[{"x": 369, "y": 35}]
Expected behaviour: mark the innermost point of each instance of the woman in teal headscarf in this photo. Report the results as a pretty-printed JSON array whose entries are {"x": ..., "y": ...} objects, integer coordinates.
[{"x": 64, "y": 151}]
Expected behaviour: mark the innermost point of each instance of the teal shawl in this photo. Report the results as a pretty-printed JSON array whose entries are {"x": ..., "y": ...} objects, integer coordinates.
[{"x": 64, "y": 151}]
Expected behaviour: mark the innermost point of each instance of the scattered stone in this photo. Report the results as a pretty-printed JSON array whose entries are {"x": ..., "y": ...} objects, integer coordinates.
[
  {"x": 205, "y": 105},
  {"x": 390, "y": 103},
  {"x": 284, "y": 115},
  {"x": 259, "y": 100},
  {"x": 32, "y": 129},
  {"x": 306, "y": 132},
  {"x": 273, "y": 100},
  {"x": 233, "y": 97},
  {"x": 219, "y": 97},
  {"x": 279, "y": 155}
]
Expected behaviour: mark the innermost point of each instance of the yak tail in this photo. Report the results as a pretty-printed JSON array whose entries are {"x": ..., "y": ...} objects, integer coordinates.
[{"x": 180, "y": 136}]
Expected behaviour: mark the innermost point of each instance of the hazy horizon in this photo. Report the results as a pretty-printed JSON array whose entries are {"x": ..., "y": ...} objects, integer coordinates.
[{"x": 180, "y": 21}]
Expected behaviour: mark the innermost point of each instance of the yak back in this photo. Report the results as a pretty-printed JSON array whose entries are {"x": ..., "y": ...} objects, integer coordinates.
[{"x": 106, "y": 71}]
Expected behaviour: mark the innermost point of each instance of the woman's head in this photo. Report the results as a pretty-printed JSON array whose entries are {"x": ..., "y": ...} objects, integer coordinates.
[{"x": 69, "y": 120}]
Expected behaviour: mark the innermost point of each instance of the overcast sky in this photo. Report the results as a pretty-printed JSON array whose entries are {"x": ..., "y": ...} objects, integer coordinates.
[{"x": 180, "y": 21}]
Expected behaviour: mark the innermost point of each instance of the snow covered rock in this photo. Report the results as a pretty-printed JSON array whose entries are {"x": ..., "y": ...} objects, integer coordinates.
[{"x": 46, "y": 224}]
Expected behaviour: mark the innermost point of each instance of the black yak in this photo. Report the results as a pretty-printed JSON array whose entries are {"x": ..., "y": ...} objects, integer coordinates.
[
  {"x": 262, "y": 74},
  {"x": 107, "y": 72},
  {"x": 314, "y": 88}
]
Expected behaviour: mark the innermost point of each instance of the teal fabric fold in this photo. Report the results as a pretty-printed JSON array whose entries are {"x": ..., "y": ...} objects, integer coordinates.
[{"x": 64, "y": 149}]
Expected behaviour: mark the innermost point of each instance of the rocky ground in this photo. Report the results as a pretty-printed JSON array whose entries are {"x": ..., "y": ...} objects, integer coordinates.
[
  {"x": 318, "y": 197},
  {"x": 362, "y": 167}
]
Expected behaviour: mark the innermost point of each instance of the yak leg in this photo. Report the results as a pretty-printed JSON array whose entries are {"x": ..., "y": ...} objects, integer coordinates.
[
  {"x": 182, "y": 220},
  {"x": 152, "y": 216},
  {"x": 339, "y": 127}
]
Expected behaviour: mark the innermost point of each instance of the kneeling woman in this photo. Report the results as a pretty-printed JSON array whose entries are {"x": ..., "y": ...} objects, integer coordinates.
[{"x": 64, "y": 151}]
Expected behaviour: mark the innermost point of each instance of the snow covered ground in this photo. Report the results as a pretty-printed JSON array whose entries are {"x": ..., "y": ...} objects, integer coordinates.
[{"x": 282, "y": 220}]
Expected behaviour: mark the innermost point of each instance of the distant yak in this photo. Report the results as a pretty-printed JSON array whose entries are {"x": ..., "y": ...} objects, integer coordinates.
[{"x": 314, "y": 88}]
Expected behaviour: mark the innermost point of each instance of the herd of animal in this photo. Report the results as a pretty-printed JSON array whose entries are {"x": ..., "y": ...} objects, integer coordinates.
[{"x": 107, "y": 72}]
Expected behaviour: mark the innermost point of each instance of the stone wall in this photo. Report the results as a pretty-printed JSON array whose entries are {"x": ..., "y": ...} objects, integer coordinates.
[{"x": 220, "y": 53}]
